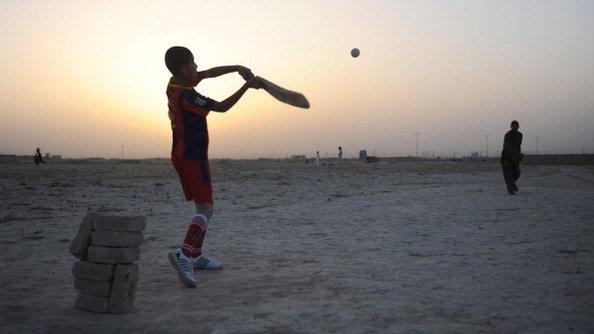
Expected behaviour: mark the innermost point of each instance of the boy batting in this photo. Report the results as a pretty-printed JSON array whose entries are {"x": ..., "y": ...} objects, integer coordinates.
[{"x": 189, "y": 155}]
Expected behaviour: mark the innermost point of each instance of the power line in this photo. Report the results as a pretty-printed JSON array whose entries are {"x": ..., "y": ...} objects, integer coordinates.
[
  {"x": 417, "y": 142},
  {"x": 487, "y": 144},
  {"x": 536, "y": 143}
]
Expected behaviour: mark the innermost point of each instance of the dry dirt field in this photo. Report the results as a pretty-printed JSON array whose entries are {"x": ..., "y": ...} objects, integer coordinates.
[{"x": 351, "y": 248}]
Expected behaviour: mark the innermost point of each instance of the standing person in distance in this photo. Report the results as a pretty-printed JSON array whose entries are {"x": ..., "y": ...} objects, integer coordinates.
[
  {"x": 511, "y": 155},
  {"x": 38, "y": 158}
]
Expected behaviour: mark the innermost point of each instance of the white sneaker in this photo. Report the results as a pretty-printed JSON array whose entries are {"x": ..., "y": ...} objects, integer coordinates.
[
  {"x": 203, "y": 263},
  {"x": 184, "y": 267}
]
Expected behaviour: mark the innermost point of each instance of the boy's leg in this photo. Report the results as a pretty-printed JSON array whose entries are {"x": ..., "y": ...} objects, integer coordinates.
[
  {"x": 201, "y": 262},
  {"x": 195, "y": 180},
  {"x": 205, "y": 209},
  {"x": 184, "y": 259},
  {"x": 192, "y": 245}
]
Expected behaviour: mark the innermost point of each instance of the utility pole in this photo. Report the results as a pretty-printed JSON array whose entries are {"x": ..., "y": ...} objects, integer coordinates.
[
  {"x": 487, "y": 143},
  {"x": 417, "y": 142},
  {"x": 536, "y": 143}
]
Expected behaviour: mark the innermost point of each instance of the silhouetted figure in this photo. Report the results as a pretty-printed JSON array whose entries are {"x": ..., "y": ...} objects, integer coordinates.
[
  {"x": 38, "y": 158},
  {"x": 317, "y": 161},
  {"x": 511, "y": 155},
  {"x": 339, "y": 152}
]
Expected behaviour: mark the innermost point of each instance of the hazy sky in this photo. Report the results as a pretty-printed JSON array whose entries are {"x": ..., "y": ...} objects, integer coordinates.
[{"x": 79, "y": 78}]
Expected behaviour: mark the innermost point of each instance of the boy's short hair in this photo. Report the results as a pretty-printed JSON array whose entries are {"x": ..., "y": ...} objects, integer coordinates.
[
  {"x": 515, "y": 122},
  {"x": 176, "y": 57}
]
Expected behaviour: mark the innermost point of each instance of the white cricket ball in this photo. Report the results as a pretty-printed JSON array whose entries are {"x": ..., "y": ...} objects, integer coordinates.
[{"x": 355, "y": 53}]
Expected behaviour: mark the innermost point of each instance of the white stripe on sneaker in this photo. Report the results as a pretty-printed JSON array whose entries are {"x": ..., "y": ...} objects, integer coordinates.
[{"x": 184, "y": 268}]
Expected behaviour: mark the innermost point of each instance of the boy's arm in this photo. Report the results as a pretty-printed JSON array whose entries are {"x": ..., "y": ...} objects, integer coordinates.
[
  {"x": 221, "y": 70},
  {"x": 229, "y": 102}
]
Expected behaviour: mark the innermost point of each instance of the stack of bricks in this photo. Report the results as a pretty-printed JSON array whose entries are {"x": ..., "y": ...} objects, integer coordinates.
[{"x": 105, "y": 274}]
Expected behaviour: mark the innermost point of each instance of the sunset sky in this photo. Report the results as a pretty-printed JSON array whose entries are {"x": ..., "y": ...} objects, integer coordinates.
[{"x": 79, "y": 78}]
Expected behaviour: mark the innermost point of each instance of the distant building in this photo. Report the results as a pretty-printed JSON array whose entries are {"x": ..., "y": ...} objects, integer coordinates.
[{"x": 363, "y": 155}]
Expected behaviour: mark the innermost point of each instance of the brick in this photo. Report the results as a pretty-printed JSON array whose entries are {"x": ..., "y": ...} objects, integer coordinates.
[
  {"x": 116, "y": 239},
  {"x": 91, "y": 303},
  {"x": 123, "y": 290},
  {"x": 119, "y": 223},
  {"x": 101, "y": 254},
  {"x": 95, "y": 288},
  {"x": 93, "y": 271},
  {"x": 79, "y": 245}
]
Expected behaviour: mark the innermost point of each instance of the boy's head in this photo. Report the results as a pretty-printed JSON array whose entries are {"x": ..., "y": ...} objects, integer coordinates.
[
  {"x": 180, "y": 62},
  {"x": 515, "y": 125}
]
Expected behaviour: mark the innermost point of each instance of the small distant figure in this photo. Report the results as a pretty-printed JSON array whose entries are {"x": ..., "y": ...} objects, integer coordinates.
[
  {"x": 340, "y": 153},
  {"x": 511, "y": 155},
  {"x": 363, "y": 155},
  {"x": 317, "y": 161},
  {"x": 38, "y": 159}
]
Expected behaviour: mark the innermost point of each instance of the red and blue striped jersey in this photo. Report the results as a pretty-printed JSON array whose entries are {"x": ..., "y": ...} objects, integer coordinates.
[{"x": 187, "y": 112}]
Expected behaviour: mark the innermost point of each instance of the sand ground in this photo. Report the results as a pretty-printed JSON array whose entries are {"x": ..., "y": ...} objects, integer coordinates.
[{"x": 402, "y": 247}]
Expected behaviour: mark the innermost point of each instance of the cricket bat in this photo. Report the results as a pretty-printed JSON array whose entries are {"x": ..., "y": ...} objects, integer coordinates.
[{"x": 284, "y": 95}]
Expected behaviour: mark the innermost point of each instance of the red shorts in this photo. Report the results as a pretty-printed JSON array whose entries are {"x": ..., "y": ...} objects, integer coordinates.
[{"x": 195, "y": 179}]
